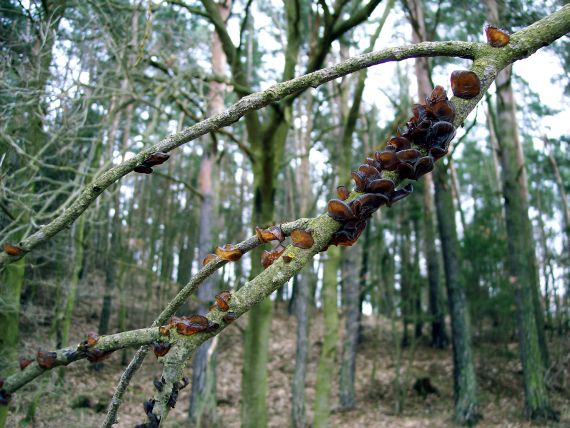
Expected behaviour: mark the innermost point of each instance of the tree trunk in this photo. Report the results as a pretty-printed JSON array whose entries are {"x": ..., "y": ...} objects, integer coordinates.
[
  {"x": 268, "y": 145},
  {"x": 202, "y": 399},
  {"x": 439, "y": 338},
  {"x": 521, "y": 259},
  {"x": 565, "y": 214},
  {"x": 465, "y": 386},
  {"x": 298, "y": 418},
  {"x": 351, "y": 306},
  {"x": 350, "y": 279},
  {"x": 202, "y": 410},
  {"x": 326, "y": 365},
  {"x": 416, "y": 275},
  {"x": 304, "y": 281},
  {"x": 12, "y": 277}
]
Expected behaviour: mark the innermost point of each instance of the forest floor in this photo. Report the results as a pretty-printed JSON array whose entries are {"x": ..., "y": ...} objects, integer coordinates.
[{"x": 81, "y": 399}]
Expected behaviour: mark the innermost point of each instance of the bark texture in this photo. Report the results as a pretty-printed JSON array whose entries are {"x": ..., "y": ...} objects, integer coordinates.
[
  {"x": 464, "y": 381},
  {"x": 521, "y": 259}
]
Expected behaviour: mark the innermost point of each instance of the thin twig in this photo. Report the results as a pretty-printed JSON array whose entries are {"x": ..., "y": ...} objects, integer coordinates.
[{"x": 173, "y": 306}]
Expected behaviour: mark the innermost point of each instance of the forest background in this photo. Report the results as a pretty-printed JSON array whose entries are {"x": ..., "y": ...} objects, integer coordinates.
[{"x": 418, "y": 324}]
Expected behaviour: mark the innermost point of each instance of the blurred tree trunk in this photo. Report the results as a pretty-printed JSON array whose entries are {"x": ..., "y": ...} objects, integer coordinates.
[
  {"x": 113, "y": 243},
  {"x": 267, "y": 139},
  {"x": 78, "y": 264},
  {"x": 301, "y": 308},
  {"x": 349, "y": 270},
  {"x": 415, "y": 209},
  {"x": 545, "y": 260},
  {"x": 124, "y": 254},
  {"x": 406, "y": 287},
  {"x": 521, "y": 260},
  {"x": 350, "y": 278},
  {"x": 465, "y": 384},
  {"x": 202, "y": 410},
  {"x": 305, "y": 279},
  {"x": 268, "y": 144},
  {"x": 114, "y": 251},
  {"x": 12, "y": 277},
  {"x": 494, "y": 148},
  {"x": 326, "y": 365},
  {"x": 455, "y": 194},
  {"x": 520, "y": 257},
  {"x": 565, "y": 214},
  {"x": 439, "y": 338}
]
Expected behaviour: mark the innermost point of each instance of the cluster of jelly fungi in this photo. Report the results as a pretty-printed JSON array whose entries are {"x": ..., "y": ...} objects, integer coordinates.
[
  {"x": 148, "y": 405},
  {"x": 222, "y": 301},
  {"x": 154, "y": 159},
  {"x": 300, "y": 238},
  {"x": 175, "y": 388},
  {"x": 272, "y": 233},
  {"x": 46, "y": 359},
  {"x": 24, "y": 362},
  {"x": 409, "y": 155},
  {"x": 268, "y": 257}
]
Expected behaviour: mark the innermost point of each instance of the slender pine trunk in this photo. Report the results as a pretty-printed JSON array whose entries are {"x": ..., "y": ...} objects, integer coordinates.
[
  {"x": 464, "y": 381},
  {"x": 326, "y": 365}
]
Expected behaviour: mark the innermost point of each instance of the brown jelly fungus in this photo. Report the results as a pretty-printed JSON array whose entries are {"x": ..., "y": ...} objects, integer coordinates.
[
  {"x": 24, "y": 362},
  {"x": 229, "y": 252},
  {"x": 46, "y": 359},
  {"x": 208, "y": 259},
  {"x": 223, "y": 299},
  {"x": 12, "y": 250},
  {"x": 273, "y": 233},
  {"x": 302, "y": 239},
  {"x": 160, "y": 349},
  {"x": 496, "y": 37},
  {"x": 465, "y": 84}
]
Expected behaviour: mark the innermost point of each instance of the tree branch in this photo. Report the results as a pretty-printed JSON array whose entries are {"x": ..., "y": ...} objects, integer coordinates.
[
  {"x": 322, "y": 228},
  {"x": 245, "y": 105},
  {"x": 355, "y": 19},
  {"x": 65, "y": 356},
  {"x": 245, "y": 246},
  {"x": 489, "y": 61}
]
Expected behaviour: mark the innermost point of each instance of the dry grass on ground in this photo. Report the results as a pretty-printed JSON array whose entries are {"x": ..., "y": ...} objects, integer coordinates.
[{"x": 82, "y": 399}]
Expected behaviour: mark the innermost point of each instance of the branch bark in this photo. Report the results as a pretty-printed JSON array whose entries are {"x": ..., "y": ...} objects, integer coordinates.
[{"x": 65, "y": 356}]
